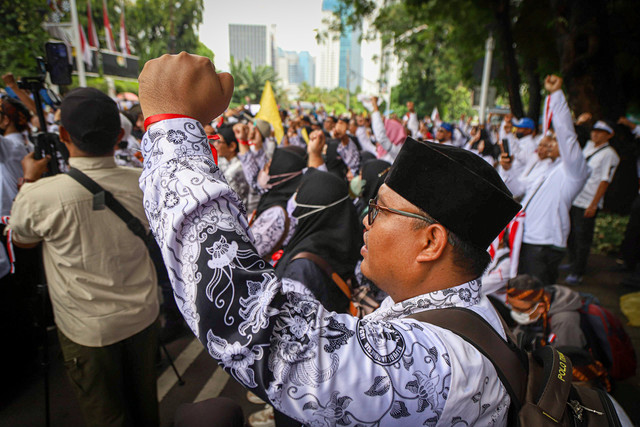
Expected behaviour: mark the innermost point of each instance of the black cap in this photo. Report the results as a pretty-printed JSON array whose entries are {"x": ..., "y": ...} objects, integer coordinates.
[
  {"x": 90, "y": 117},
  {"x": 227, "y": 133},
  {"x": 456, "y": 187}
]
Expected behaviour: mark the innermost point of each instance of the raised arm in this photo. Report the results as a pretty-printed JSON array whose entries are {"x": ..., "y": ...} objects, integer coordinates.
[
  {"x": 316, "y": 366},
  {"x": 570, "y": 152}
]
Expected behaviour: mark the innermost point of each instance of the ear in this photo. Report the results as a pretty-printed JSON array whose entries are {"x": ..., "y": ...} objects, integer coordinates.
[
  {"x": 64, "y": 135},
  {"x": 5, "y": 121},
  {"x": 434, "y": 238}
]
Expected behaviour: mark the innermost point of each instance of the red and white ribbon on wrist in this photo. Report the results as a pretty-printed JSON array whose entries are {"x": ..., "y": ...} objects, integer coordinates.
[
  {"x": 548, "y": 115},
  {"x": 160, "y": 117}
]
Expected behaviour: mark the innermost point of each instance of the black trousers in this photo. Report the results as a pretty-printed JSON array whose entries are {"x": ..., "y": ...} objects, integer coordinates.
[
  {"x": 631, "y": 244},
  {"x": 541, "y": 261},
  {"x": 580, "y": 239}
]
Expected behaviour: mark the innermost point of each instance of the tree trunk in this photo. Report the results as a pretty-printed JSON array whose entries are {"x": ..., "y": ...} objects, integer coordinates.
[
  {"x": 587, "y": 58},
  {"x": 535, "y": 96},
  {"x": 503, "y": 20}
]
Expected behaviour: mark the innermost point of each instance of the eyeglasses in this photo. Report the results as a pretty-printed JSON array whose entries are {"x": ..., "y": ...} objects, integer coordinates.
[{"x": 375, "y": 208}]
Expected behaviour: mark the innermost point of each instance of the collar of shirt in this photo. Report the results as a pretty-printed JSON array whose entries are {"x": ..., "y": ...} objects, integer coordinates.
[
  {"x": 88, "y": 163},
  {"x": 590, "y": 148},
  {"x": 464, "y": 295}
]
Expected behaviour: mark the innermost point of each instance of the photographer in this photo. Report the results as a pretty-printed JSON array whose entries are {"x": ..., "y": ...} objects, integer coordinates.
[{"x": 101, "y": 280}]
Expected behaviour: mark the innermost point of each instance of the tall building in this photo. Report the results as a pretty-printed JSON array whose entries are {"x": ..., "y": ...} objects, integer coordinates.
[
  {"x": 307, "y": 64},
  {"x": 294, "y": 68},
  {"x": 253, "y": 42},
  {"x": 339, "y": 61}
]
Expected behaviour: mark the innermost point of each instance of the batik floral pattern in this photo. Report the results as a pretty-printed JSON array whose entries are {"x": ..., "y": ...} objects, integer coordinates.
[{"x": 319, "y": 367}]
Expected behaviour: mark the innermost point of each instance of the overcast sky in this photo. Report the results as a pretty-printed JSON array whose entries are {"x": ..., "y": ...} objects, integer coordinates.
[{"x": 295, "y": 22}]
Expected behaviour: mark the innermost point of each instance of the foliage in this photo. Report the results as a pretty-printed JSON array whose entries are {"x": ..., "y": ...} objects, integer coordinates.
[
  {"x": 154, "y": 27},
  {"x": 594, "y": 45},
  {"x": 203, "y": 50},
  {"x": 250, "y": 81},
  {"x": 609, "y": 233},
  {"x": 21, "y": 36},
  {"x": 334, "y": 100},
  {"x": 437, "y": 51},
  {"x": 100, "y": 83}
]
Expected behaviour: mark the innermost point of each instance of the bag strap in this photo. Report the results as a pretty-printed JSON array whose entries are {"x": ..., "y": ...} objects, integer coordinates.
[
  {"x": 524, "y": 209},
  {"x": 595, "y": 152},
  {"x": 473, "y": 328},
  {"x": 132, "y": 222},
  {"x": 324, "y": 265}
]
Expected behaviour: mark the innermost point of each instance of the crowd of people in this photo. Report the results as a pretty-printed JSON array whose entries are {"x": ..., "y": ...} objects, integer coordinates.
[{"x": 271, "y": 256}]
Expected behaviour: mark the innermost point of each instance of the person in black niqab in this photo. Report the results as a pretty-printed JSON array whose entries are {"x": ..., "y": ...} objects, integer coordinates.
[
  {"x": 334, "y": 162},
  {"x": 329, "y": 230},
  {"x": 286, "y": 160}
]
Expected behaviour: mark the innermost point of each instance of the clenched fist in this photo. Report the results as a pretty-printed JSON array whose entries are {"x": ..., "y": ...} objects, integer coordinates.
[
  {"x": 552, "y": 83},
  {"x": 184, "y": 84}
]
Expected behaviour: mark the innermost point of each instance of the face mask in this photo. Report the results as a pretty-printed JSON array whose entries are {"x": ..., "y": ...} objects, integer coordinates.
[
  {"x": 356, "y": 186},
  {"x": 524, "y": 318},
  {"x": 520, "y": 135},
  {"x": 264, "y": 178},
  {"x": 316, "y": 208}
]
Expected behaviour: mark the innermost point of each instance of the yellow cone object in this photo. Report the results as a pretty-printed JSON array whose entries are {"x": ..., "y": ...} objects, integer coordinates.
[
  {"x": 305, "y": 135},
  {"x": 630, "y": 306},
  {"x": 269, "y": 111}
]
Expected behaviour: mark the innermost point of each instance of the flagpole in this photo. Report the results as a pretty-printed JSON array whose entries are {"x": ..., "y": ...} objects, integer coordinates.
[{"x": 76, "y": 42}]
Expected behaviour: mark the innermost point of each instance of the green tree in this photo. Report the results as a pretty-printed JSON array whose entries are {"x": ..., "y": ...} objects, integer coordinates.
[
  {"x": 250, "y": 81},
  {"x": 203, "y": 50},
  {"x": 594, "y": 45},
  {"x": 154, "y": 27},
  {"x": 21, "y": 36}
]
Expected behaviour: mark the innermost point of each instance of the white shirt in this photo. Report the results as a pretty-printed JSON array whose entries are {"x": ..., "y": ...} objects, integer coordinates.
[
  {"x": 364, "y": 140},
  {"x": 321, "y": 368},
  {"x": 12, "y": 150},
  {"x": 603, "y": 162},
  {"x": 524, "y": 150},
  {"x": 411, "y": 120},
  {"x": 377, "y": 124},
  {"x": 547, "y": 209}
]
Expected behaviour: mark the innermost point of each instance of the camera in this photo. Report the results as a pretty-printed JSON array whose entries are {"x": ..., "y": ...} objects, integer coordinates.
[{"x": 59, "y": 68}]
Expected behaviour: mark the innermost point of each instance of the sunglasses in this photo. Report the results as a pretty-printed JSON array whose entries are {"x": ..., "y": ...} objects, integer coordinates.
[{"x": 375, "y": 208}]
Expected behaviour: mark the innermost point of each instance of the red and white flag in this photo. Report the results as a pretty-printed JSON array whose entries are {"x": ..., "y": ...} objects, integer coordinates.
[
  {"x": 84, "y": 47},
  {"x": 91, "y": 28},
  {"x": 108, "y": 34},
  {"x": 124, "y": 40}
]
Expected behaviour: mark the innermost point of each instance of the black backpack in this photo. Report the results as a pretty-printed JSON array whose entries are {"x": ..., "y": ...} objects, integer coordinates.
[{"x": 539, "y": 383}]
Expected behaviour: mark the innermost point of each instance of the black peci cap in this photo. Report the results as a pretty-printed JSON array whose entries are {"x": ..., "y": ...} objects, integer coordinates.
[
  {"x": 90, "y": 117},
  {"x": 456, "y": 187}
]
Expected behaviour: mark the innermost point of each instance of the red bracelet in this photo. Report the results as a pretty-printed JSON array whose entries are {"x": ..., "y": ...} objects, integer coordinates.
[
  {"x": 160, "y": 117},
  {"x": 244, "y": 142}
]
